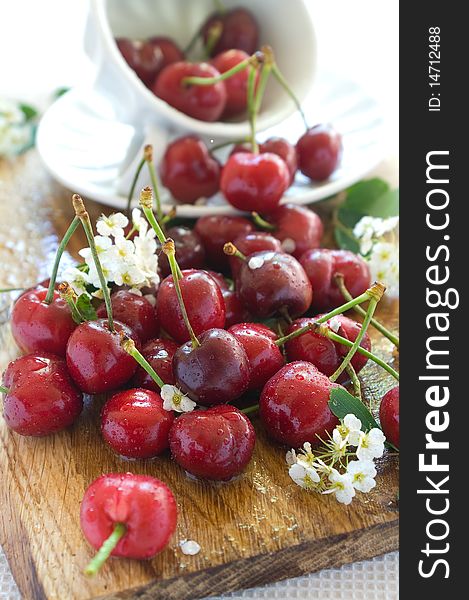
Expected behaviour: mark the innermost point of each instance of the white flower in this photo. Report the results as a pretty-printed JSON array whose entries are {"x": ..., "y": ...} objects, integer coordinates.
[
  {"x": 125, "y": 249},
  {"x": 256, "y": 262},
  {"x": 112, "y": 225},
  {"x": 128, "y": 274},
  {"x": 370, "y": 229},
  {"x": 363, "y": 475},
  {"x": 139, "y": 222},
  {"x": 174, "y": 399},
  {"x": 384, "y": 266},
  {"x": 93, "y": 276},
  {"x": 334, "y": 324},
  {"x": 189, "y": 547},
  {"x": 290, "y": 457},
  {"x": 102, "y": 245},
  {"x": 304, "y": 476},
  {"x": 77, "y": 279},
  {"x": 341, "y": 486},
  {"x": 371, "y": 444},
  {"x": 10, "y": 113},
  {"x": 15, "y": 132},
  {"x": 350, "y": 430}
]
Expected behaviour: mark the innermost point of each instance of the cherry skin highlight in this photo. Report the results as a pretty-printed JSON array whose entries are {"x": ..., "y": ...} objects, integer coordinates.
[
  {"x": 145, "y": 505},
  {"x": 249, "y": 243},
  {"x": 216, "y": 443},
  {"x": 159, "y": 353},
  {"x": 297, "y": 227},
  {"x": 135, "y": 424},
  {"x": 215, "y": 231},
  {"x": 134, "y": 311},
  {"x": 389, "y": 415},
  {"x": 189, "y": 250},
  {"x": 319, "y": 152},
  {"x": 240, "y": 31},
  {"x": 42, "y": 399}
]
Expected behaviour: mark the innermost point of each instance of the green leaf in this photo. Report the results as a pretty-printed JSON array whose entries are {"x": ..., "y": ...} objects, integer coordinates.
[
  {"x": 28, "y": 111},
  {"x": 342, "y": 403},
  {"x": 85, "y": 308},
  {"x": 60, "y": 92},
  {"x": 364, "y": 193},
  {"x": 346, "y": 240}
]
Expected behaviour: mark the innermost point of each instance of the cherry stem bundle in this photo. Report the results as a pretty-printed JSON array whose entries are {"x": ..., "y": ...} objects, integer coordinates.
[
  {"x": 106, "y": 549},
  {"x": 129, "y": 346},
  {"x": 60, "y": 250}
]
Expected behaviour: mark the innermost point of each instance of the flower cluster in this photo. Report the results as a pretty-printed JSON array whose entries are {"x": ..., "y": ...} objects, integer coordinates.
[
  {"x": 345, "y": 465},
  {"x": 16, "y": 132},
  {"x": 124, "y": 261},
  {"x": 379, "y": 245}
]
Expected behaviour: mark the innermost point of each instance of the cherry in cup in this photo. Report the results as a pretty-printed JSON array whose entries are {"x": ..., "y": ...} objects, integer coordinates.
[
  {"x": 389, "y": 415},
  {"x": 189, "y": 250},
  {"x": 237, "y": 85},
  {"x": 215, "y": 231},
  {"x": 319, "y": 151},
  {"x": 134, "y": 311},
  {"x": 159, "y": 354},
  {"x": 239, "y": 30},
  {"x": 287, "y": 152}
]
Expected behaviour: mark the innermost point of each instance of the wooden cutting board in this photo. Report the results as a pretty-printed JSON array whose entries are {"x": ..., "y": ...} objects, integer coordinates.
[{"x": 255, "y": 530}]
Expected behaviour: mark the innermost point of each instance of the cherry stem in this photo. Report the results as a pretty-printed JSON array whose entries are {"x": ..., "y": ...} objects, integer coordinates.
[
  {"x": 230, "y": 250},
  {"x": 251, "y": 108},
  {"x": 339, "y": 279},
  {"x": 169, "y": 250},
  {"x": 6, "y": 290},
  {"x": 229, "y": 143},
  {"x": 291, "y": 336},
  {"x": 129, "y": 346},
  {"x": 148, "y": 156},
  {"x": 60, "y": 250},
  {"x": 170, "y": 216},
  {"x": 250, "y": 409},
  {"x": 357, "y": 388},
  {"x": 365, "y": 297},
  {"x": 187, "y": 81},
  {"x": 84, "y": 217},
  {"x": 214, "y": 34},
  {"x": 66, "y": 293},
  {"x": 105, "y": 551},
  {"x": 132, "y": 187},
  {"x": 283, "y": 82},
  {"x": 267, "y": 67},
  {"x": 262, "y": 223},
  {"x": 4, "y": 389}
]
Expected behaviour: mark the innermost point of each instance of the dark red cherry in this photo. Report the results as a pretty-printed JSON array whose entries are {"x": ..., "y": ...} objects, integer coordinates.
[
  {"x": 235, "y": 310},
  {"x": 294, "y": 405},
  {"x": 265, "y": 357},
  {"x": 236, "y": 85},
  {"x": 203, "y": 300},
  {"x": 142, "y": 57},
  {"x": 319, "y": 152},
  {"x": 135, "y": 424},
  {"x": 204, "y": 102},
  {"x": 240, "y": 31},
  {"x": 272, "y": 282},
  {"x": 220, "y": 279},
  {"x": 254, "y": 182},
  {"x": 281, "y": 147},
  {"x": 159, "y": 353},
  {"x": 145, "y": 505},
  {"x": 216, "y": 372},
  {"x": 189, "y": 171},
  {"x": 216, "y": 443},
  {"x": 389, "y": 415},
  {"x": 40, "y": 327},
  {"x": 167, "y": 49},
  {"x": 190, "y": 252},
  {"x": 215, "y": 231},
  {"x": 134, "y": 311},
  {"x": 249, "y": 243},
  {"x": 297, "y": 227},
  {"x": 95, "y": 359},
  {"x": 41, "y": 397},
  {"x": 321, "y": 266}
]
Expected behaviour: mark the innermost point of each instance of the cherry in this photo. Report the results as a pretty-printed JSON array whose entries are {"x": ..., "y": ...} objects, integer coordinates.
[
  {"x": 251, "y": 242},
  {"x": 294, "y": 405},
  {"x": 142, "y": 57},
  {"x": 281, "y": 147},
  {"x": 254, "y": 182},
  {"x": 349, "y": 329},
  {"x": 135, "y": 424},
  {"x": 235, "y": 310},
  {"x": 159, "y": 353},
  {"x": 95, "y": 359},
  {"x": 240, "y": 31},
  {"x": 189, "y": 171},
  {"x": 189, "y": 250},
  {"x": 41, "y": 397},
  {"x": 214, "y": 372},
  {"x": 204, "y": 102},
  {"x": 297, "y": 227},
  {"x": 216, "y": 443},
  {"x": 204, "y": 304},
  {"x": 40, "y": 327},
  {"x": 215, "y": 231},
  {"x": 134, "y": 311},
  {"x": 272, "y": 282},
  {"x": 319, "y": 152},
  {"x": 321, "y": 266},
  {"x": 237, "y": 85},
  {"x": 389, "y": 415},
  {"x": 140, "y": 508},
  {"x": 220, "y": 279},
  {"x": 265, "y": 357},
  {"x": 168, "y": 50}
]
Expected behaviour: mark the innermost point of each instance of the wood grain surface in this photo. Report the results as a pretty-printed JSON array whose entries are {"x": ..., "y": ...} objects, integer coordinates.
[{"x": 257, "y": 529}]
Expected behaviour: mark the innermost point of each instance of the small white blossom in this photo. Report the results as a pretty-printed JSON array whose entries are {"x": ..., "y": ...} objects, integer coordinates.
[
  {"x": 128, "y": 274},
  {"x": 290, "y": 457},
  {"x": 77, "y": 279},
  {"x": 112, "y": 225},
  {"x": 125, "y": 249},
  {"x": 350, "y": 429},
  {"x": 371, "y": 444},
  {"x": 256, "y": 262},
  {"x": 363, "y": 475},
  {"x": 189, "y": 547},
  {"x": 341, "y": 486},
  {"x": 334, "y": 324},
  {"x": 139, "y": 222},
  {"x": 102, "y": 245},
  {"x": 304, "y": 476},
  {"x": 174, "y": 399},
  {"x": 384, "y": 266},
  {"x": 15, "y": 131}
]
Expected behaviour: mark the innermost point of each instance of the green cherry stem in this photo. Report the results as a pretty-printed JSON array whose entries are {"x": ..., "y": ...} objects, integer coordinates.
[
  {"x": 283, "y": 82},
  {"x": 244, "y": 64},
  {"x": 228, "y": 143},
  {"x": 3, "y": 389},
  {"x": 249, "y": 409},
  {"x": 60, "y": 250},
  {"x": 214, "y": 34},
  {"x": 251, "y": 107},
  {"x": 365, "y": 297},
  {"x": 129, "y": 346},
  {"x": 84, "y": 217},
  {"x": 230, "y": 250},
  {"x": 339, "y": 279},
  {"x": 267, "y": 66},
  {"x": 6, "y": 290},
  {"x": 133, "y": 185},
  {"x": 66, "y": 292},
  {"x": 105, "y": 551},
  {"x": 262, "y": 223},
  {"x": 357, "y": 388},
  {"x": 148, "y": 155}
]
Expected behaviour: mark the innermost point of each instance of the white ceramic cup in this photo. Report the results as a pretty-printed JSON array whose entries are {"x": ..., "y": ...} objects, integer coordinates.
[{"x": 285, "y": 25}]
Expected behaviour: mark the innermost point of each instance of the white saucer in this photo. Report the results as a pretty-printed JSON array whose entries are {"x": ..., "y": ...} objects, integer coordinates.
[{"x": 88, "y": 151}]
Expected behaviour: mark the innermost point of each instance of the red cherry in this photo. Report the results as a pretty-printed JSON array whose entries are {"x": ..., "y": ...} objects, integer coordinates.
[
  {"x": 294, "y": 405},
  {"x": 95, "y": 359},
  {"x": 134, "y": 311},
  {"x": 145, "y": 505},
  {"x": 142, "y": 57},
  {"x": 159, "y": 353},
  {"x": 220, "y": 279},
  {"x": 236, "y": 85},
  {"x": 297, "y": 227},
  {"x": 189, "y": 250},
  {"x": 215, "y": 231},
  {"x": 269, "y": 282},
  {"x": 389, "y": 415},
  {"x": 321, "y": 266},
  {"x": 189, "y": 171},
  {"x": 42, "y": 398},
  {"x": 168, "y": 50},
  {"x": 249, "y": 243},
  {"x": 135, "y": 424},
  {"x": 286, "y": 151},
  {"x": 319, "y": 152},
  {"x": 265, "y": 357},
  {"x": 254, "y": 182},
  {"x": 240, "y": 31},
  {"x": 40, "y": 327},
  {"x": 204, "y": 102},
  {"x": 203, "y": 300},
  {"x": 216, "y": 372},
  {"x": 235, "y": 310},
  {"x": 214, "y": 444}
]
